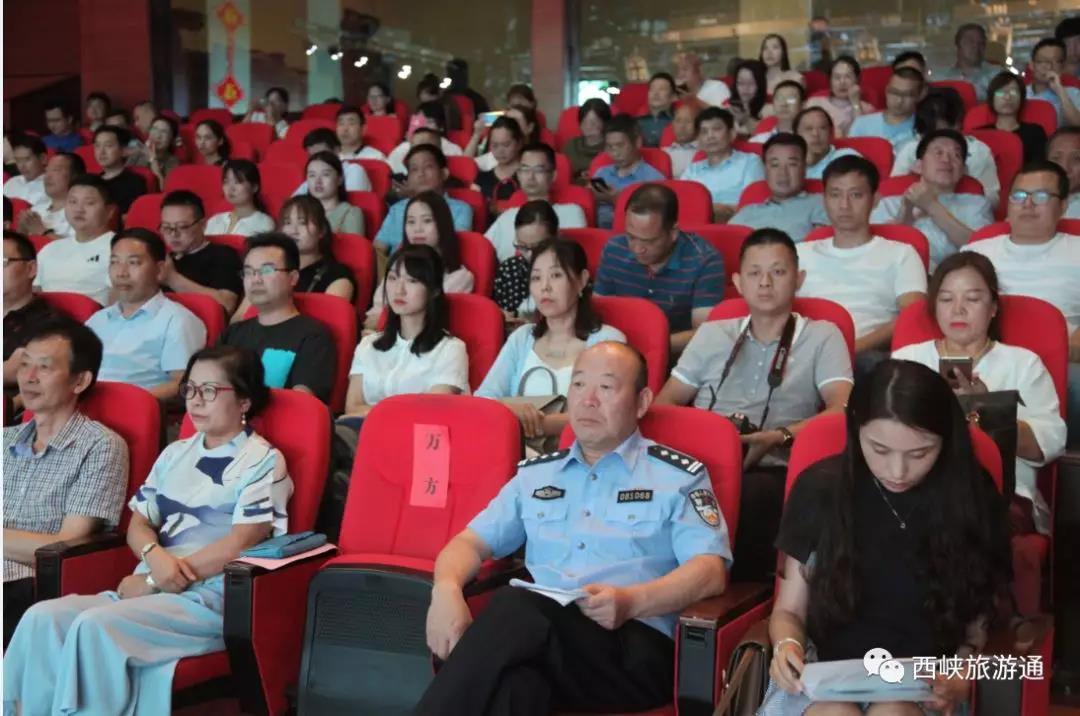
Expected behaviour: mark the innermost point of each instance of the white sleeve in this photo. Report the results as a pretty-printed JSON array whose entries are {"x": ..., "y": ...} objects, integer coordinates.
[
  {"x": 910, "y": 273},
  {"x": 905, "y": 159},
  {"x": 1040, "y": 408},
  {"x": 360, "y": 355},
  {"x": 451, "y": 366},
  {"x": 356, "y": 179}
]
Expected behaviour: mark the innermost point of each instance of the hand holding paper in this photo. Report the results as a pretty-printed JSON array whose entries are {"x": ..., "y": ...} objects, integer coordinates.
[{"x": 562, "y": 596}]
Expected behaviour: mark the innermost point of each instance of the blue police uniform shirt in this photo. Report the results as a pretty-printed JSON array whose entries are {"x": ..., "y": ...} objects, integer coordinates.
[
  {"x": 1051, "y": 96},
  {"x": 632, "y": 517}
]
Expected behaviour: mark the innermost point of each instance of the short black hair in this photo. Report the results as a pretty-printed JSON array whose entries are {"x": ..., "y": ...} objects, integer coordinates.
[
  {"x": 346, "y": 109},
  {"x": 521, "y": 90},
  {"x": 1069, "y": 27},
  {"x": 154, "y": 245},
  {"x": 538, "y": 211},
  {"x": 651, "y": 198},
  {"x": 968, "y": 27},
  {"x": 23, "y": 244},
  {"x": 423, "y": 263},
  {"x": 76, "y": 165},
  {"x": 275, "y": 240},
  {"x": 333, "y": 161},
  {"x": 61, "y": 104},
  {"x": 924, "y": 142},
  {"x": 598, "y": 107},
  {"x": 101, "y": 96},
  {"x": 1048, "y": 42},
  {"x": 852, "y": 164},
  {"x": 623, "y": 124},
  {"x": 183, "y": 197},
  {"x": 941, "y": 104},
  {"x": 321, "y": 135},
  {"x": 94, "y": 181},
  {"x": 435, "y": 112},
  {"x": 714, "y": 113},
  {"x": 909, "y": 55},
  {"x": 284, "y": 93},
  {"x": 122, "y": 113},
  {"x": 122, "y": 135},
  {"x": 1065, "y": 131},
  {"x": 243, "y": 369},
  {"x": 1039, "y": 166},
  {"x": 431, "y": 149},
  {"x": 791, "y": 84},
  {"x": 28, "y": 141},
  {"x": 806, "y": 112},
  {"x": 784, "y": 139},
  {"x": 911, "y": 74},
  {"x": 541, "y": 148},
  {"x": 666, "y": 76},
  {"x": 174, "y": 127},
  {"x": 84, "y": 345},
  {"x": 767, "y": 237},
  {"x": 1000, "y": 80}
]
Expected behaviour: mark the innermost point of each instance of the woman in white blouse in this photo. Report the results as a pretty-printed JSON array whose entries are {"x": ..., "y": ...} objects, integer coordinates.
[
  {"x": 428, "y": 221},
  {"x": 538, "y": 358},
  {"x": 240, "y": 183},
  {"x": 413, "y": 353},
  {"x": 963, "y": 300}
]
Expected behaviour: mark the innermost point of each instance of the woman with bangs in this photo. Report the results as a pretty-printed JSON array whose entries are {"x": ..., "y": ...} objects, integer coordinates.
[{"x": 241, "y": 185}]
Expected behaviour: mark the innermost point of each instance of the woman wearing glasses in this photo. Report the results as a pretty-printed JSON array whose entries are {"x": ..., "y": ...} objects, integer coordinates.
[
  {"x": 535, "y": 222},
  {"x": 207, "y": 499},
  {"x": 1006, "y": 101}
]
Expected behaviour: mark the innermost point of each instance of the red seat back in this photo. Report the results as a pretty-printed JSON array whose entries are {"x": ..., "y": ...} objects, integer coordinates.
[
  {"x": 86, "y": 153},
  {"x": 74, "y": 305},
  {"x": 39, "y": 241},
  {"x": 258, "y": 134},
  {"x": 767, "y": 124},
  {"x": 632, "y": 99},
  {"x": 323, "y": 110},
  {"x": 373, "y": 208},
  {"x": 478, "y": 321},
  {"x": 300, "y": 128},
  {"x": 965, "y": 89},
  {"x": 279, "y": 181},
  {"x": 145, "y": 212},
  {"x": 1035, "y": 111},
  {"x": 759, "y": 193},
  {"x": 998, "y": 228},
  {"x": 645, "y": 327},
  {"x": 148, "y": 177},
  {"x": 358, "y": 254},
  {"x": 378, "y": 173},
  {"x": 893, "y": 232},
  {"x": 695, "y": 203},
  {"x": 568, "y": 127},
  {"x": 704, "y": 435},
  {"x": 286, "y": 153},
  {"x": 895, "y": 186},
  {"x": 220, "y": 115},
  {"x": 728, "y": 240},
  {"x": 658, "y": 159},
  {"x": 206, "y": 309},
  {"x": 592, "y": 240},
  {"x": 745, "y": 145},
  {"x": 298, "y": 425},
  {"x": 463, "y": 169},
  {"x": 1008, "y": 153},
  {"x": 18, "y": 206},
  {"x": 872, "y": 81},
  {"x": 478, "y": 255},
  {"x": 877, "y": 150},
  {"x": 383, "y": 133},
  {"x": 815, "y": 81},
  {"x": 378, "y": 515},
  {"x": 476, "y": 202},
  {"x": 202, "y": 179},
  {"x": 817, "y": 309}
]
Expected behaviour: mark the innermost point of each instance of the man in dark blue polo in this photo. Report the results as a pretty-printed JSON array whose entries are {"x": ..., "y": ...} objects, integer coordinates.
[{"x": 679, "y": 272}]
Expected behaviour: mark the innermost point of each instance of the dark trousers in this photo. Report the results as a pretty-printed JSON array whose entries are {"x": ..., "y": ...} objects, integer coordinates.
[
  {"x": 18, "y": 597},
  {"x": 526, "y": 655},
  {"x": 760, "y": 507}
]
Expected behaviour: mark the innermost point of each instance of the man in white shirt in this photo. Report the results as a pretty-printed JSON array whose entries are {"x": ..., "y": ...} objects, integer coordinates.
[
  {"x": 325, "y": 140},
  {"x": 429, "y": 115},
  {"x": 690, "y": 81},
  {"x": 350, "y": 134},
  {"x": 81, "y": 264},
  {"x": 971, "y": 65},
  {"x": 147, "y": 338},
  {"x": 1035, "y": 259},
  {"x": 724, "y": 171},
  {"x": 931, "y": 205},
  {"x": 897, "y": 123},
  {"x": 787, "y": 102},
  {"x": 1047, "y": 64},
  {"x": 536, "y": 173},
  {"x": 683, "y": 149},
  {"x": 30, "y": 157},
  {"x": 873, "y": 278},
  {"x": 48, "y": 218},
  {"x": 1064, "y": 150},
  {"x": 789, "y": 207}
]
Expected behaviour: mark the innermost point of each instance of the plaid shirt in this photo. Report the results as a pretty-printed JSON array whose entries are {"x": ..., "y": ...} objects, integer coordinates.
[{"x": 82, "y": 471}]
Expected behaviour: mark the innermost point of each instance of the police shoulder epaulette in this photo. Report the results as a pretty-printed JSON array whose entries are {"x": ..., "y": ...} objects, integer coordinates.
[
  {"x": 546, "y": 457},
  {"x": 684, "y": 462}
]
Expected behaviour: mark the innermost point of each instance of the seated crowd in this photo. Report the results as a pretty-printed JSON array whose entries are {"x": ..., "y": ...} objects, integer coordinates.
[{"x": 783, "y": 242}]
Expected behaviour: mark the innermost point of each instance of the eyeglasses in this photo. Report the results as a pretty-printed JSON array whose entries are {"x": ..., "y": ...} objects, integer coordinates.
[
  {"x": 9, "y": 260},
  {"x": 1011, "y": 93},
  {"x": 786, "y": 100},
  {"x": 265, "y": 271},
  {"x": 1039, "y": 197},
  {"x": 170, "y": 229},
  {"x": 208, "y": 392}
]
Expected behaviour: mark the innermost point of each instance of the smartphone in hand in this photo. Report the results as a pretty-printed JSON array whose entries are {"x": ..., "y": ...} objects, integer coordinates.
[
  {"x": 599, "y": 184},
  {"x": 946, "y": 366}
]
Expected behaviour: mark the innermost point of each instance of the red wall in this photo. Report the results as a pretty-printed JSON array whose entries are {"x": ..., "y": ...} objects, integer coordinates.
[{"x": 115, "y": 49}]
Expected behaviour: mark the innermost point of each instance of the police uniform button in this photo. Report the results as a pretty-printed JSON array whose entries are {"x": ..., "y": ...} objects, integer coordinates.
[
  {"x": 540, "y": 515},
  {"x": 588, "y": 514},
  {"x": 630, "y": 517},
  {"x": 686, "y": 461},
  {"x": 581, "y": 545},
  {"x": 593, "y": 477},
  {"x": 664, "y": 453}
]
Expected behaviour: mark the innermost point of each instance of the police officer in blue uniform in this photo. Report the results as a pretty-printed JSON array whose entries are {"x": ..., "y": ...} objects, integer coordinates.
[{"x": 631, "y": 524}]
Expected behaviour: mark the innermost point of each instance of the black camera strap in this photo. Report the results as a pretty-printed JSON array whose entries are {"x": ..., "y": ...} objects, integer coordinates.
[{"x": 776, "y": 370}]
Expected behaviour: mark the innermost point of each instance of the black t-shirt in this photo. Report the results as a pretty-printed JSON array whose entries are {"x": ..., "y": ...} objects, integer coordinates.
[
  {"x": 214, "y": 266},
  {"x": 124, "y": 188},
  {"x": 511, "y": 283},
  {"x": 1032, "y": 136},
  {"x": 317, "y": 277},
  {"x": 18, "y": 322},
  {"x": 496, "y": 189},
  {"x": 298, "y": 351}
]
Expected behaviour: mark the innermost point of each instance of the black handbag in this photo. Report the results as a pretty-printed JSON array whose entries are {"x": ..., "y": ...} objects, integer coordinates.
[
  {"x": 995, "y": 414},
  {"x": 747, "y": 673}
]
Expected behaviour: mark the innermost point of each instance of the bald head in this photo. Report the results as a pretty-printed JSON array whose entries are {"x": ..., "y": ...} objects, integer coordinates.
[{"x": 608, "y": 396}]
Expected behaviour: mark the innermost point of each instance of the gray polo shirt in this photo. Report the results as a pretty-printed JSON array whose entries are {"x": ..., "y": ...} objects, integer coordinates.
[
  {"x": 818, "y": 356},
  {"x": 796, "y": 216}
]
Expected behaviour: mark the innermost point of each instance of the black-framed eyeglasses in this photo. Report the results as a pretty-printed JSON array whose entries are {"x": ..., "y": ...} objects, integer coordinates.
[
  {"x": 265, "y": 271},
  {"x": 1039, "y": 197},
  {"x": 171, "y": 229},
  {"x": 208, "y": 392},
  {"x": 8, "y": 260}
]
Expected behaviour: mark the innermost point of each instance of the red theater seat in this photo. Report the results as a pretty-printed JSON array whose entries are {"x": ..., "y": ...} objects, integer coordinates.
[
  {"x": 478, "y": 255},
  {"x": 378, "y": 173},
  {"x": 656, "y": 158},
  {"x": 324, "y": 110},
  {"x": 477, "y": 203},
  {"x": 236, "y": 242},
  {"x": 1008, "y": 153},
  {"x": 74, "y": 305},
  {"x": 206, "y": 309},
  {"x": 564, "y": 194},
  {"x": 695, "y": 203},
  {"x": 279, "y": 181},
  {"x": 300, "y": 128},
  {"x": 257, "y": 134},
  {"x": 877, "y": 150},
  {"x": 463, "y": 169},
  {"x": 1035, "y": 111},
  {"x": 358, "y": 254},
  {"x": 286, "y": 153},
  {"x": 373, "y": 208},
  {"x": 593, "y": 241},
  {"x": 383, "y": 133},
  {"x": 728, "y": 240},
  {"x": 202, "y": 179},
  {"x": 220, "y": 115},
  {"x": 145, "y": 212},
  {"x": 645, "y": 327}
]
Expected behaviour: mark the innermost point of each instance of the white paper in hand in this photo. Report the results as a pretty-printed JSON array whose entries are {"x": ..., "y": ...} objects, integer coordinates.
[
  {"x": 850, "y": 681},
  {"x": 562, "y": 596}
]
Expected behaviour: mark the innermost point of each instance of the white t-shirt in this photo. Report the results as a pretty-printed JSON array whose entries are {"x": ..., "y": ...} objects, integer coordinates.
[
  {"x": 365, "y": 152},
  {"x": 32, "y": 192},
  {"x": 1050, "y": 271},
  {"x": 980, "y": 165},
  {"x": 972, "y": 210},
  {"x": 396, "y": 160},
  {"x": 247, "y": 226},
  {"x": 76, "y": 266},
  {"x": 715, "y": 93},
  {"x": 501, "y": 233},
  {"x": 399, "y": 371},
  {"x": 1006, "y": 367},
  {"x": 486, "y": 162},
  {"x": 54, "y": 219},
  {"x": 866, "y": 280}
]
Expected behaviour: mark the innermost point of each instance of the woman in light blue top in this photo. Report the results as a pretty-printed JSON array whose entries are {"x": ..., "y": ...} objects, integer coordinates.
[
  {"x": 538, "y": 358},
  {"x": 206, "y": 500}
]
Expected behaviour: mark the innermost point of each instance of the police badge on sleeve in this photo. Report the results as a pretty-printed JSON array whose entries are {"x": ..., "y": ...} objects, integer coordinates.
[{"x": 704, "y": 502}]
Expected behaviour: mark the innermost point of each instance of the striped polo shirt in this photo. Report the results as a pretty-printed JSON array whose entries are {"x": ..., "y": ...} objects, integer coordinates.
[{"x": 693, "y": 277}]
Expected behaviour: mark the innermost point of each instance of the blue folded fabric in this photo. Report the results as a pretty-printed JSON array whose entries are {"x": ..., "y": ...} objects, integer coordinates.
[{"x": 286, "y": 545}]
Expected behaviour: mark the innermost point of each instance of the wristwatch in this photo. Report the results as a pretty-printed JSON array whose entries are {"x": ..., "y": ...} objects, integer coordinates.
[{"x": 788, "y": 437}]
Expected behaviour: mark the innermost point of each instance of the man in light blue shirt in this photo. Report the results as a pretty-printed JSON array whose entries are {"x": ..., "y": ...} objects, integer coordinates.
[
  {"x": 1063, "y": 149},
  {"x": 897, "y": 123},
  {"x": 971, "y": 65},
  {"x": 1048, "y": 62},
  {"x": 427, "y": 172},
  {"x": 931, "y": 205},
  {"x": 622, "y": 142},
  {"x": 815, "y": 126},
  {"x": 724, "y": 171},
  {"x": 148, "y": 338},
  {"x": 789, "y": 208},
  {"x": 629, "y": 529}
]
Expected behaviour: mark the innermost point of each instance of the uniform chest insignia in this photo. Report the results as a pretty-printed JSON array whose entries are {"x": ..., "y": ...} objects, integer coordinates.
[
  {"x": 547, "y": 457},
  {"x": 680, "y": 460},
  {"x": 704, "y": 502},
  {"x": 635, "y": 496},
  {"x": 548, "y": 492}
]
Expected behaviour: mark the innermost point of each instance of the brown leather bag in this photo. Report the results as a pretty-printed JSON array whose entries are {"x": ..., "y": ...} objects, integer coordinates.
[{"x": 747, "y": 673}]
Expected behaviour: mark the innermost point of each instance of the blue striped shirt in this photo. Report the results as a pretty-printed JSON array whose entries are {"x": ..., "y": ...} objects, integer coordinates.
[{"x": 693, "y": 277}]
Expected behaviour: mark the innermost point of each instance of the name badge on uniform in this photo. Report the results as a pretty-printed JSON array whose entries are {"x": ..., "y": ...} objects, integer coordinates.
[
  {"x": 704, "y": 502},
  {"x": 548, "y": 492},
  {"x": 635, "y": 496}
]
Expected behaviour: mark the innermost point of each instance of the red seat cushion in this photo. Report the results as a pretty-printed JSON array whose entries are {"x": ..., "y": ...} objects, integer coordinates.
[{"x": 195, "y": 670}]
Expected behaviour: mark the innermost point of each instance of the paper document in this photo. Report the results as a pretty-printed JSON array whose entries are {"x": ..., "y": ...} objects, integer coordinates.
[
  {"x": 562, "y": 596},
  {"x": 849, "y": 680}
]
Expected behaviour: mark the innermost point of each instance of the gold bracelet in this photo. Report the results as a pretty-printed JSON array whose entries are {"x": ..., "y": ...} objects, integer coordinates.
[{"x": 789, "y": 640}]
